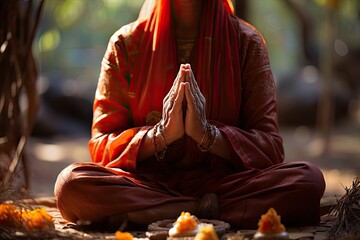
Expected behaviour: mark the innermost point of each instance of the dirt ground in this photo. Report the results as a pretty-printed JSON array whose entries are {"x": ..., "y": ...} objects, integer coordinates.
[{"x": 340, "y": 165}]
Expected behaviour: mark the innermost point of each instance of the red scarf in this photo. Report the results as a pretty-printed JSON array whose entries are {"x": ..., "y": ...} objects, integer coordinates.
[{"x": 214, "y": 59}]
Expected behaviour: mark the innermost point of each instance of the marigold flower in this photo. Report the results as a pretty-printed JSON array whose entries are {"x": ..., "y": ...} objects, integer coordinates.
[
  {"x": 206, "y": 232},
  {"x": 123, "y": 235},
  {"x": 270, "y": 223},
  {"x": 37, "y": 219},
  {"x": 186, "y": 222},
  {"x": 8, "y": 215}
]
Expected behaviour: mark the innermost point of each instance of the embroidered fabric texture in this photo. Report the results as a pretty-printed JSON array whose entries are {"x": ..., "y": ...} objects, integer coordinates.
[{"x": 184, "y": 49}]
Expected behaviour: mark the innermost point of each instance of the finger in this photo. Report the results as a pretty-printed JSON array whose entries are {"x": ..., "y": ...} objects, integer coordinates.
[
  {"x": 197, "y": 98},
  {"x": 192, "y": 76},
  {"x": 172, "y": 91},
  {"x": 191, "y": 84},
  {"x": 196, "y": 88},
  {"x": 189, "y": 97},
  {"x": 179, "y": 99},
  {"x": 185, "y": 66},
  {"x": 172, "y": 96},
  {"x": 179, "y": 78},
  {"x": 175, "y": 89},
  {"x": 165, "y": 112},
  {"x": 193, "y": 81}
]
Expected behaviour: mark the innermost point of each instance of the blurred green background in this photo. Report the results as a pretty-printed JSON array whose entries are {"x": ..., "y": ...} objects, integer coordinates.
[
  {"x": 73, "y": 36},
  {"x": 74, "y": 33}
]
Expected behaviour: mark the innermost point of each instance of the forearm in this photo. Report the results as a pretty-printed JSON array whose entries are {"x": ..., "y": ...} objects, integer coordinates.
[
  {"x": 216, "y": 143},
  {"x": 222, "y": 146}
]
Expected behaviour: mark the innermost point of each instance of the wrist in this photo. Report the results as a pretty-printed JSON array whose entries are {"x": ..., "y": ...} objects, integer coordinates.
[
  {"x": 159, "y": 142},
  {"x": 208, "y": 138},
  {"x": 171, "y": 135}
]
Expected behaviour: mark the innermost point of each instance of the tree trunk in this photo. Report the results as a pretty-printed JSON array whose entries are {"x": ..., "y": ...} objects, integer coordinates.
[{"x": 18, "y": 75}]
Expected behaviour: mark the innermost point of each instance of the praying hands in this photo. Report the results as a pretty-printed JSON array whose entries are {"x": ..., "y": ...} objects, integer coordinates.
[
  {"x": 184, "y": 113},
  {"x": 184, "y": 109}
]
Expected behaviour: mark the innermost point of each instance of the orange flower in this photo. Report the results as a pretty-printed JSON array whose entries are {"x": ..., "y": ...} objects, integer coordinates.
[
  {"x": 37, "y": 219},
  {"x": 123, "y": 236},
  {"x": 8, "y": 215},
  {"x": 270, "y": 223},
  {"x": 186, "y": 222},
  {"x": 206, "y": 232}
]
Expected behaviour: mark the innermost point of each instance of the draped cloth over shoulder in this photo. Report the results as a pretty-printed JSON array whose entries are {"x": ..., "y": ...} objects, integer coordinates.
[{"x": 231, "y": 65}]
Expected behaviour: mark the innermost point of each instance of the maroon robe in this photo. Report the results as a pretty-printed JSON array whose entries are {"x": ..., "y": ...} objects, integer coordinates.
[{"x": 231, "y": 65}]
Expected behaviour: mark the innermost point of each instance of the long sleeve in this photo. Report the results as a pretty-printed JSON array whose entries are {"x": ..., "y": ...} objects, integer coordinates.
[
  {"x": 256, "y": 140},
  {"x": 114, "y": 139},
  {"x": 245, "y": 109}
]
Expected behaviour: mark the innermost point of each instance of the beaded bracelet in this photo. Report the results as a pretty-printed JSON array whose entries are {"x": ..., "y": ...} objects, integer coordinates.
[
  {"x": 205, "y": 133},
  {"x": 211, "y": 132},
  {"x": 208, "y": 133},
  {"x": 160, "y": 155}
]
